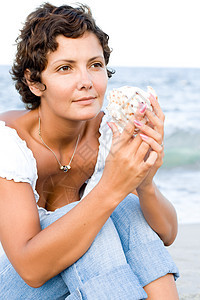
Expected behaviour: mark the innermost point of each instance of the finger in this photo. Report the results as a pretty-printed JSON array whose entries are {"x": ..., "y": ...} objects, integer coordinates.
[
  {"x": 154, "y": 144},
  {"x": 134, "y": 144},
  {"x": 114, "y": 129},
  {"x": 156, "y": 107},
  {"x": 129, "y": 130},
  {"x": 142, "y": 150},
  {"x": 140, "y": 112},
  {"x": 157, "y": 135},
  {"x": 116, "y": 138},
  {"x": 157, "y": 123},
  {"x": 151, "y": 159}
]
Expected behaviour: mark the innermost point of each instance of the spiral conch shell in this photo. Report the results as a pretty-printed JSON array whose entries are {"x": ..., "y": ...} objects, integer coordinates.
[{"x": 123, "y": 103}]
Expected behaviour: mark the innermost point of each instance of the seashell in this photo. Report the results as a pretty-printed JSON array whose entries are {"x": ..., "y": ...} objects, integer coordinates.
[{"x": 123, "y": 103}]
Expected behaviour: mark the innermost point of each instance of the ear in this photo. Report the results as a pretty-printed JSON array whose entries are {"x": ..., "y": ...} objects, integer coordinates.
[{"x": 37, "y": 88}]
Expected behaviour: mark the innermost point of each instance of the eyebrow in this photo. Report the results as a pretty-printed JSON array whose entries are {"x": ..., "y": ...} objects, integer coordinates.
[
  {"x": 96, "y": 57},
  {"x": 73, "y": 61}
]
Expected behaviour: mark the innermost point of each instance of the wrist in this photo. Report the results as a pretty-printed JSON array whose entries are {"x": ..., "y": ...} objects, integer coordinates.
[
  {"x": 110, "y": 194},
  {"x": 146, "y": 188}
]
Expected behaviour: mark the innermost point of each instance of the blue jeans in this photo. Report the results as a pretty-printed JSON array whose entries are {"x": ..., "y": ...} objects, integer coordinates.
[{"x": 125, "y": 256}]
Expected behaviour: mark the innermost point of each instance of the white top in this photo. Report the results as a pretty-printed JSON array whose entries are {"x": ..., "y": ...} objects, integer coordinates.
[
  {"x": 105, "y": 141},
  {"x": 16, "y": 159},
  {"x": 18, "y": 163}
]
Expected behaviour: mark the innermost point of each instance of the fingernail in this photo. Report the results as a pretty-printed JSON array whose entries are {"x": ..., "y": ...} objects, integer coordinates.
[
  {"x": 137, "y": 123},
  {"x": 143, "y": 136},
  {"x": 142, "y": 107},
  {"x": 151, "y": 95}
]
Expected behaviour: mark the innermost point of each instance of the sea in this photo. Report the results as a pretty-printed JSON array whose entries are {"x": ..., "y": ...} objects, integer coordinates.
[{"x": 178, "y": 91}]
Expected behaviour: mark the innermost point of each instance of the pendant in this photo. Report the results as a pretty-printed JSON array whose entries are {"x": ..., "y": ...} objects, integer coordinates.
[{"x": 65, "y": 168}]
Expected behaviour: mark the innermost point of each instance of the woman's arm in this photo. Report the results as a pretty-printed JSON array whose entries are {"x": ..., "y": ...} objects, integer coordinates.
[
  {"x": 158, "y": 211},
  {"x": 39, "y": 255}
]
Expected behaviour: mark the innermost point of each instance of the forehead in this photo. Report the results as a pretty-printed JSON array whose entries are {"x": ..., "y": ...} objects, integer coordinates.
[{"x": 74, "y": 48}]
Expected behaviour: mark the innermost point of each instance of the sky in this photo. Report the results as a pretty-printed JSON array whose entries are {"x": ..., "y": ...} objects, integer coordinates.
[{"x": 150, "y": 33}]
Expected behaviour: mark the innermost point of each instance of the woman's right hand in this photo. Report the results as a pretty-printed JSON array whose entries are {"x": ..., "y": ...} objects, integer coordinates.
[{"x": 126, "y": 164}]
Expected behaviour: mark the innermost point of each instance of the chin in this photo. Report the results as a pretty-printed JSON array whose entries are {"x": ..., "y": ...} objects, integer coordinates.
[
  {"x": 88, "y": 117},
  {"x": 88, "y": 114}
]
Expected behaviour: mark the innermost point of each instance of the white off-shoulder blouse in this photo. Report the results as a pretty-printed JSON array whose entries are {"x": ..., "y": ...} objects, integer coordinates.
[{"x": 18, "y": 163}]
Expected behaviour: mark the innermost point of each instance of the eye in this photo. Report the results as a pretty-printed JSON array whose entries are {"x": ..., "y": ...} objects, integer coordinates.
[
  {"x": 64, "y": 68},
  {"x": 97, "y": 65}
]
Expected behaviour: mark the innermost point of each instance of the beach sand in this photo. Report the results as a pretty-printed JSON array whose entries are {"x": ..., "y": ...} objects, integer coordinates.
[{"x": 186, "y": 253}]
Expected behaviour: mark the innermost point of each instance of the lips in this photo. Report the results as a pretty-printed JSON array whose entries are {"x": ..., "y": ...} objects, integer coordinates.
[{"x": 85, "y": 100}]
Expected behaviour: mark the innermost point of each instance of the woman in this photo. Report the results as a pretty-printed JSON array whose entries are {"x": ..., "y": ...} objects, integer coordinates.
[{"x": 101, "y": 247}]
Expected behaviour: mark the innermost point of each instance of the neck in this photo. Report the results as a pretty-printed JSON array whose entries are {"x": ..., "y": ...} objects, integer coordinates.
[{"x": 58, "y": 132}]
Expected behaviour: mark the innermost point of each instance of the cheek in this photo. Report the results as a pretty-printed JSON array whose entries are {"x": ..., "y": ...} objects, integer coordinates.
[
  {"x": 101, "y": 85},
  {"x": 60, "y": 90}
]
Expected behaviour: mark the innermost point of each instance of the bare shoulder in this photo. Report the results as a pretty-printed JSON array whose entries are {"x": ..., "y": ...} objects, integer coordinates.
[{"x": 12, "y": 115}]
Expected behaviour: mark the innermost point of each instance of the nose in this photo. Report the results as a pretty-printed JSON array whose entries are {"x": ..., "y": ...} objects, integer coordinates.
[{"x": 84, "y": 80}]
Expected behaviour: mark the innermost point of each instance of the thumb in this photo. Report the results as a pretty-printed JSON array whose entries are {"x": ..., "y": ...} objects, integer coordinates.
[
  {"x": 114, "y": 129},
  {"x": 152, "y": 158}
]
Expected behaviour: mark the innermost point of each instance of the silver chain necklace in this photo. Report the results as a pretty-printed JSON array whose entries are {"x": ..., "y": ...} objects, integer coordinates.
[{"x": 65, "y": 168}]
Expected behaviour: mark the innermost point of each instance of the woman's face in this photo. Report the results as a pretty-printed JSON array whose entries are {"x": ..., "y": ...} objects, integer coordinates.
[{"x": 75, "y": 78}]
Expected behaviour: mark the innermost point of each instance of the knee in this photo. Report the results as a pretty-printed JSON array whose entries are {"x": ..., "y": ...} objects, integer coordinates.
[
  {"x": 105, "y": 252},
  {"x": 129, "y": 208},
  {"x": 108, "y": 240},
  {"x": 129, "y": 219},
  {"x": 131, "y": 202}
]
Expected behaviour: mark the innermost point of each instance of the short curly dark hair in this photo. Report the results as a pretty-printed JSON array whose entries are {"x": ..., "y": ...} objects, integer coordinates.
[{"x": 38, "y": 37}]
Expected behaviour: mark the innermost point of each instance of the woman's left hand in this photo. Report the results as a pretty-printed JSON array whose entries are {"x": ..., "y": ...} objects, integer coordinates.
[{"x": 153, "y": 134}]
